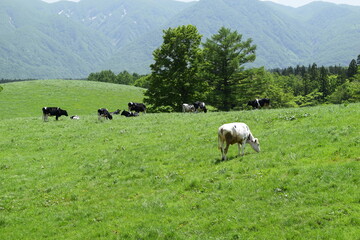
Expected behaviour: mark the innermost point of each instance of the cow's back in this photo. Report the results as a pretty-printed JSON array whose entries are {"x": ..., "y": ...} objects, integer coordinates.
[{"x": 234, "y": 132}]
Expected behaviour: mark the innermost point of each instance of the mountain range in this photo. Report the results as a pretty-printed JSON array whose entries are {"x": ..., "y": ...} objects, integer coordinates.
[{"x": 72, "y": 39}]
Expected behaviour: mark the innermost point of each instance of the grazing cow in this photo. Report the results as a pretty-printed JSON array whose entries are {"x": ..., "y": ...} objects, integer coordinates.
[
  {"x": 239, "y": 133},
  {"x": 137, "y": 107},
  {"x": 129, "y": 114},
  {"x": 200, "y": 107},
  {"x": 116, "y": 112},
  {"x": 103, "y": 112},
  {"x": 53, "y": 111},
  {"x": 75, "y": 117},
  {"x": 259, "y": 103},
  {"x": 188, "y": 108}
]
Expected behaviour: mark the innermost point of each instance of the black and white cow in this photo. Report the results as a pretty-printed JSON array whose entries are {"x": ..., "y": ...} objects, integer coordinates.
[
  {"x": 75, "y": 117},
  {"x": 137, "y": 107},
  {"x": 53, "y": 111},
  {"x": 200, "y": 107},
  {"x": 259, "y": 103},
  {"x": 188, "y": 108},
  {"x": 129, "y": 114},
  {"x": 104, "y": 113},
  {"x": 116, "y": 112}
]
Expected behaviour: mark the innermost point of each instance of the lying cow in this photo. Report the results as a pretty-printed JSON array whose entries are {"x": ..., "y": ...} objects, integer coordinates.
[
  {"x": 239, "y": 133},
  {"x": 188, "y": 108},
  {"x": 129, "y": 114},
  {"x": 53, "y": 111},
  {"x": 104, "y": 113},
  {"x": 116, "y": 112},
  {"x": 200, "y": 107},
  {"x": 75, "y": 117},
  {"x": 259, "y": 103},
  {"x": 137, "y": 107}
]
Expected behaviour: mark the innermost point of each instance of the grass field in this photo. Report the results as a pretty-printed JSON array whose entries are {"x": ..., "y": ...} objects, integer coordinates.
[
  {"x": 159, "y": 176},
  {"x": 77, "y": 97}
]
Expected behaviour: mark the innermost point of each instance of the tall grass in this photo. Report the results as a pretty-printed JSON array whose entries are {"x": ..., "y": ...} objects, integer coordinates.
[{"x": 159, "y": 176}]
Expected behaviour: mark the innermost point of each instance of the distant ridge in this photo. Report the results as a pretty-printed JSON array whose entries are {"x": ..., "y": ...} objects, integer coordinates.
[{"x": 71, "y": 40}]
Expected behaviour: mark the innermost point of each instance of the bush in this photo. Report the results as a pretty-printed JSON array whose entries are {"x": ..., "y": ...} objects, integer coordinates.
[{"x": 347, "y": 92}]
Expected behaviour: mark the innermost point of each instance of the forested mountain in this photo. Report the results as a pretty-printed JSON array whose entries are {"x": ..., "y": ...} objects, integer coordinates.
[{"x": 70, "y": 40}]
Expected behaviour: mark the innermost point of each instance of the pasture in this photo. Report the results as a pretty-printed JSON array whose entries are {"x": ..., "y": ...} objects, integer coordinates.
[{"x": 159, "y": 176}]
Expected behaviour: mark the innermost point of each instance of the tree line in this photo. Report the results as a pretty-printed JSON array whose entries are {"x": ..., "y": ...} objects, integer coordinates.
[{"x": 186, "y": 70}]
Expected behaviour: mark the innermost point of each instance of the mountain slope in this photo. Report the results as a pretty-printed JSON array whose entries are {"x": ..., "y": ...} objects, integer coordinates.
[
  {"x": 273, "y": 33},
  {"x": 38, "y": 44},
  {"x": 70, "y": 40}
]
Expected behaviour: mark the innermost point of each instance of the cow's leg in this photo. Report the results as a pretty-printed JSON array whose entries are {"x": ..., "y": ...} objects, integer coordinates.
[
  {"x": 45, "y": 117},
  {"x": 225, "y": 151},
  {"x": 223, "y": 155},
  {"x": 242, "y": 148},
  {"x": 239, "y": 147},
  {"x": 57, "y": 117}
]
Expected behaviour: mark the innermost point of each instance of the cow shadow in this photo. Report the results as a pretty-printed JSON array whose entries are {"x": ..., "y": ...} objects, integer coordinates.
[{"x": 219, "y": 160}]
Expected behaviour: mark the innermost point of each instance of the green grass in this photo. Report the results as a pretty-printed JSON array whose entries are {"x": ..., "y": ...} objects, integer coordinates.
[
  {"x": 158, "y": 176},
  {"x": 25, "y": 99}
]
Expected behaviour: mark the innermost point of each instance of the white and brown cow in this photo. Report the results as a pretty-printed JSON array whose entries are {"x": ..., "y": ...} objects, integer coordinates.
[{"x": 239, "y": 133}]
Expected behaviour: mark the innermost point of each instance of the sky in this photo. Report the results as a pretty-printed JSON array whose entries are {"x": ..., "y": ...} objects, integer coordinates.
[
  {"x": 298, "y": 3},
  {"x": 292, "y": 3}
]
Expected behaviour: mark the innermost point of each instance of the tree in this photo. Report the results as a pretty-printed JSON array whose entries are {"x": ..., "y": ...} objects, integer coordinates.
[
  {"x": 225, "y": 54},
  {"x": 103, "y": 76},
  {"x": 324, "y": 82},
  {"x": 143, "y": 82},
  {"x": 348, "y": 92},
  {"x": 173, "y": 78},
  {"x": 125, "y": 78},
  {"x": 352, "y": 70}
]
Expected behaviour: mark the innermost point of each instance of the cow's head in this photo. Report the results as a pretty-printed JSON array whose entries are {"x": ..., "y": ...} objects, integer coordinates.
[
  {"x": 63, "y": 112},
  {"x": 255, "y": 144}
]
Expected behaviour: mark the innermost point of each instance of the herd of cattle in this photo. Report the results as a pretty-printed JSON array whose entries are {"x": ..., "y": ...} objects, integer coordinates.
[
  {"x": 134, "y": 109},
  {"x": 230, "y": 133}
]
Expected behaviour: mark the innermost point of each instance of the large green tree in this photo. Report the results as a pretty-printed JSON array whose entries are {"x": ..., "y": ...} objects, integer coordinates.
[
  {"x": 225, "y": 53},
  {"x": 173, "y": 78}
]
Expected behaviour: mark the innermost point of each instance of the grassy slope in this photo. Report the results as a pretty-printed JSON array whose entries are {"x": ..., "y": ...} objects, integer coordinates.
[
  {"x": 25, "y": 99},
  {"x": 158, "y": 176}
]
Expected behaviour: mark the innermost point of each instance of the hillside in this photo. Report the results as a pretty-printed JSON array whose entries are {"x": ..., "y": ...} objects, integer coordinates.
[
  {"x": 158, "y": 176},
  {"x": 71, "y": 40},
  {"x": 77, "y": 97}
]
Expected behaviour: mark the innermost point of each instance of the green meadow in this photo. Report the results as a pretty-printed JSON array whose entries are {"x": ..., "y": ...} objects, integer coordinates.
[{"x": 159, "y": 176}]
